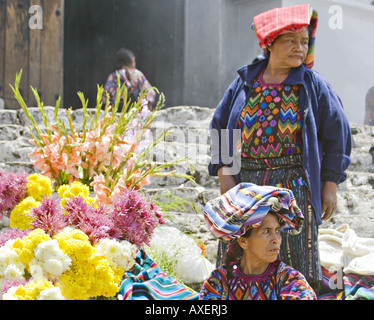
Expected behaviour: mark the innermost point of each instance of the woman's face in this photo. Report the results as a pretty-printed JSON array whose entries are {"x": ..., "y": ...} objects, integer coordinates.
[
  {"x": 263, "y": 244},
  {"x": 290, "y": 49}
]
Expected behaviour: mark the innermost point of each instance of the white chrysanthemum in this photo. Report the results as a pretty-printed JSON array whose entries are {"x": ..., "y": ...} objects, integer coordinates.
[
  {"x": 9, "y": 295},
  {"x": 49, "y": 257},
  {"x": 36, "y": 270},
  {"x": 54, "y": 267},
  {"x": 120, "y": 254},
  {"x": 9, "y": 257},
  {"x": 50, "y": 294},
  {"x": 13, "y": 272},
  {"x": 48, "y": 250}
]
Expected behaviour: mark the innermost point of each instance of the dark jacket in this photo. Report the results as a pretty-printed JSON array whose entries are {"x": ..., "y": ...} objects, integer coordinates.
[{"x": 326, "y": 132}]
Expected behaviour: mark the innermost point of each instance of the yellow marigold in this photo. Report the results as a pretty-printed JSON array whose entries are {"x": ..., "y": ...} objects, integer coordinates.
[
  {"x": 62, "y": 189},
  {"x": 20, "y": 216},
  {"x": 17, "y": 245},
  {"x": 107, "y": 279},
  {"x": 76, "y": 189},
  {"x": 32, "y": 290},
  {"x": 25, "y": 247},
  {"x": 39, "y": 186},
  {"x": 91, "y": 202},
  {"x": 90, "y": 274},
  {"x": 74, "y": 243}
]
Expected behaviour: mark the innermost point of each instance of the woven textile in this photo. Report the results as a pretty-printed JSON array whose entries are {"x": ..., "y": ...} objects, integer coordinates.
[
  {"x": 246, "y": 205},
  {"x": 278, "y": 282},
  {"x": 271, "y": 123},
  {"x": 148, "y": 282},
  {"x": 273, "y": 23},
  {"x": 339, "y": 286}
]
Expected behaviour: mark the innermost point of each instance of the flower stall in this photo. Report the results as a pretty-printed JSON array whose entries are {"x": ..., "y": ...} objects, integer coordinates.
[{"x": 81, "y": 227}]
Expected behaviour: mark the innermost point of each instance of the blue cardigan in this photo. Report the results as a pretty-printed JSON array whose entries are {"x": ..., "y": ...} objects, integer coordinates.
[{"x": 326, "y": 132}]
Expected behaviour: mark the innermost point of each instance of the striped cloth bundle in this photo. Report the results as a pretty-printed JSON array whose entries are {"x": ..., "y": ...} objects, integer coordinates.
[
  {"x": 246, "y": 205},
  {"x": 337, "y": 286},
  {"x": 148, "y": 282}
]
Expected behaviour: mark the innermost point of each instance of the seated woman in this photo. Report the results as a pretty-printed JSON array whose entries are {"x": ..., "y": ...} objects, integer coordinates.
[
  {"x": 251, "y": 219},
  {"x": 131, "y": 77}
]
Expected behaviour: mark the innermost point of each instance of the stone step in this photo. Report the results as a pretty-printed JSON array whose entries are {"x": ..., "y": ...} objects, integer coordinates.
[
  {"x": 9, "y": 117},
  {"x": 17, "y": 167},
  {"x": 186, "y": 115},
  {"x": 10, "y": 132},
  {"x": 195, "y": 198}
]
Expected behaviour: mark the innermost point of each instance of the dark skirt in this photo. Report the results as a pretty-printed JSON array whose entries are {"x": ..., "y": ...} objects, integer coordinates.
[{"x": 299, "y": 251}]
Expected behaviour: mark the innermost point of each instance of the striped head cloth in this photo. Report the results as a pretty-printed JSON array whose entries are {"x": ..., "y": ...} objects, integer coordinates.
[
  {"x": 246, "y": 205},
  {"x": 273, "y": 23}
]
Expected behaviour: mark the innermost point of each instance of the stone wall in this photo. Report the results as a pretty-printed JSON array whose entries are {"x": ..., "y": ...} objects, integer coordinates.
[{"x": 189, "y": 137}]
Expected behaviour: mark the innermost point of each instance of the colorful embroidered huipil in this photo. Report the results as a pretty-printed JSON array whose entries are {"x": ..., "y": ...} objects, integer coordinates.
[
  {"x": 270, "y": 121},
  {"x": 278, "y": 282}
]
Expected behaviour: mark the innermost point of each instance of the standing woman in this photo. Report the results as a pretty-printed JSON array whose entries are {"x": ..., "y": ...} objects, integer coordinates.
[{"x": 294, "y": 133}]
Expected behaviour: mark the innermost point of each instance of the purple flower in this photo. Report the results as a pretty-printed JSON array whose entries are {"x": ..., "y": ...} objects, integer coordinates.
[
  {"x": 135, "y": 217},
  {"x": 12, "y": 233},
  {"x": 76, "y": 208},
  {"x": 49, "y": 216},
  {"x": 95, "y": 222},
  {"x": 13, "y": 283},
  {"x": 13, "y": 189}
]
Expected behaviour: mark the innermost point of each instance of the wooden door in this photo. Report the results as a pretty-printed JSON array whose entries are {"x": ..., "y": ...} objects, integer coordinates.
[{"x": 32, "y": 41}]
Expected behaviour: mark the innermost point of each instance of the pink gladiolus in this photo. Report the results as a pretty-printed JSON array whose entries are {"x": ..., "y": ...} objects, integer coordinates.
[
  {"x": 57, "y": 156},
  {"x": 102, "y": 193}
]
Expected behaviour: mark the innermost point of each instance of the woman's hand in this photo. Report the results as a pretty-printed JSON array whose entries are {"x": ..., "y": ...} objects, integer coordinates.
[
  {"x": 329, "y": 200},
  {"x": 226, "y": 179}
]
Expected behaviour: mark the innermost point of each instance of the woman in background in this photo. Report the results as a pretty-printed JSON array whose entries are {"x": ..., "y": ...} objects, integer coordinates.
[{"x": 132, "y": 78}]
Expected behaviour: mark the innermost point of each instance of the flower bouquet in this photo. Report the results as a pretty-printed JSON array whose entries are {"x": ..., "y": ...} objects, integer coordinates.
[
  {"x": 113, "y": 154},
  {"x": 70, "y": 246},
  {"x": 78, "y": 243}
]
